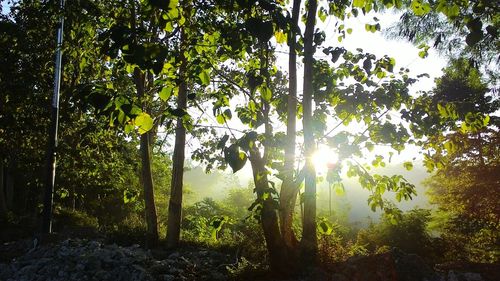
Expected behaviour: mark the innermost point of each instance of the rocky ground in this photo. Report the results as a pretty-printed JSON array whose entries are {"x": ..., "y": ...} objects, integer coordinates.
[{"x": 82, "y": 259}]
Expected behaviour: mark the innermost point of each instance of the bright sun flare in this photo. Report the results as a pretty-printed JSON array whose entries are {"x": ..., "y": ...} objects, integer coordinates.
[{"x": 324, "y": 156}]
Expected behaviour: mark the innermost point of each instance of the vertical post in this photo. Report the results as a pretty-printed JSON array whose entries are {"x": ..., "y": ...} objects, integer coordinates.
[{"x": 54, "y": 123}]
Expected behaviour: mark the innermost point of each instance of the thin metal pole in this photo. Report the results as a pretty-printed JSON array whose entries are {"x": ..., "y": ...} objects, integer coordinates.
[{"x": 54, "y": 124}]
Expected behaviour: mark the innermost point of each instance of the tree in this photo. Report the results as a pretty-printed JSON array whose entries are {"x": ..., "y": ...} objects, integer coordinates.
[
  {"x": 458, "y": 119},
  {"x": 465, "y": 185},
  {"x": 266, "y": 105},
  {"x": 171, "y": 64},
  {"x": 97, "y": 162},
  {"x": 409, "y": 233},
  {"x": 175, "y": 204},
  {"x": 289, "y": 190},
  {"x": 129, "y": 26},
  {"x": 309, "y": 240},
  {"x": 458, "y": 29}
]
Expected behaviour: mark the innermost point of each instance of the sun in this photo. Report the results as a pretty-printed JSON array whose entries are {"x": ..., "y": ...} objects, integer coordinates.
[{"x": 323, "y": 157}]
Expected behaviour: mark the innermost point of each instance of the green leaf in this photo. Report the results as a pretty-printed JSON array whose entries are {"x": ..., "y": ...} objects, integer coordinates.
[
  {"x": 217, "y": 222},
  {"x": 161, "y": 4},
  {"x": 235, "y": 157},
  {"x": 169, "y": 27},
  {"x": 372, "y": 27},
  {"x": 442, "y": 110},
  {"x": 129, "y": 196},
  {"x": 63, "y": 193},
  {"x": 129, "y": 128},
  {"x": 165, "y": 93},
  {"x": 453, "y": 11},
  {"x": 420, "y": 8},
  {"x": 398, "y": 197},
  {"x": 216, "y": 225},
  {"x": 492, "y": 30},
  {"x": 339, "y": 189},
  {"x": 408, "y": 166},
  {"x": 486, "y": 120},
  {"x": 204, "y": 77},
  {"x": 474, "y": 37},
  {"x": 325, "y": 227},
  {"x": 220, "y": 119},
  {"x": 144, "y": 122},
  {"x": 358, "y": 3},
  {"x": 178, "y": 112},
  {"x": 280, "y": 37},
  {"x": 370, "y": 146},
  {"x": 322, "y": 14},
  {"x": 266, "y": 93},
  {"x": 227, "y": 114},
  {"x": 222, "y": 142}
]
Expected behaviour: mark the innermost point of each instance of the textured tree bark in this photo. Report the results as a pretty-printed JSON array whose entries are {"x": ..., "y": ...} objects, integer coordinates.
[
  {"x": 72, "y": 196},
  {"x": 149, "y": 198},
  {"x": 147, "y": 175},
  {"x": 3, "y": 201},
  {"x": 278, "y": 259},
  {"x": 140, "y": 80},
  {"x": 9, "y": 190},
  {"x": 309, "y": 243},
  {"x": 175, "y": 203},
  {"x": 289, "y": 190}
]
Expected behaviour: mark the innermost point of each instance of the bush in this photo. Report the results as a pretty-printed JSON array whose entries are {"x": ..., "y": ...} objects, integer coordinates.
[
  {"x": 74, "y": 221},
  {"x": 408, "y": 233},
  {"x": 216, "y": 224},
  {"x": 470, "y": 240}
]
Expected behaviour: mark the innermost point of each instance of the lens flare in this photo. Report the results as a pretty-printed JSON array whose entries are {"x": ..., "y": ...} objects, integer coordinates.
[{"x": 323, "y": 158}]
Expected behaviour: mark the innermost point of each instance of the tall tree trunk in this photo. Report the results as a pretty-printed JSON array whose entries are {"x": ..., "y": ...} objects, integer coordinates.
[
  {"x": 9, "y": 189},
  {"x": 147, "y": 175},
  {"x": 72, "y": 196},
  {"x": 269, "y": 219},
  {"x": 289, "y": 190},
  {"x": 149, "y": 198},
  {"x": 175, "y": 203},
  {"x": 3, "y": 201},
  {"x": 278, "y": 258},
  {"x": 309, "y": 243}
]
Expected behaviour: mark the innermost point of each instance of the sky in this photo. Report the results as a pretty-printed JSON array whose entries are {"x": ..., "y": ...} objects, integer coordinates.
[{"x": 5, "y": 6}]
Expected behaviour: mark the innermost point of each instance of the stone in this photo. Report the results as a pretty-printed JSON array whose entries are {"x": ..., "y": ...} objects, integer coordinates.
[
  {"x": 168, "y": 277},
  {"x": 86, "y": 260},
  {"x": 463, "y": 276},
  {"x": 174, "y": 255},
  {"x": 159, "y": 268}
]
